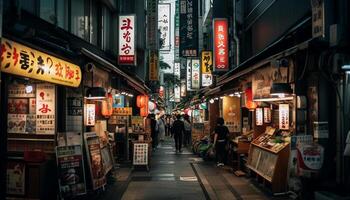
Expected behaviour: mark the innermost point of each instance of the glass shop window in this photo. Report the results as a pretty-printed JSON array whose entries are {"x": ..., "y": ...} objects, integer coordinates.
[
  {"x": 55, "y": 12},
  {"x": 79, "y": 21}
]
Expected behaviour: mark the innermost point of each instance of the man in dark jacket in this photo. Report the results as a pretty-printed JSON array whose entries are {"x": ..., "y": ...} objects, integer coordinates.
[{"x": 178, "y": 131}]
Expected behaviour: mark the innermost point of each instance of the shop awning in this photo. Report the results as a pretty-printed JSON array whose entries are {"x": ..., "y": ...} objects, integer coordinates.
[{"x": 140, "y": 87}]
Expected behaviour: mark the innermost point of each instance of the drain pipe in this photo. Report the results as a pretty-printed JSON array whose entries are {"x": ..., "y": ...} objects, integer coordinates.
[{"x": 235, "y": 36}]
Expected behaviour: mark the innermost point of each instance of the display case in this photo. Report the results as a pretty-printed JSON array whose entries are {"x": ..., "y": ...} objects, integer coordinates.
[{"x": 268, "y": 159}]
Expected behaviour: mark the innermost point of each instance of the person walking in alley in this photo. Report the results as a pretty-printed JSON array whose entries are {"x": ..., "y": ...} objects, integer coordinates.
[
  {"x": 188, "y": 129},
  {"x": 154, "y": 130},
  {"x": 178, "y": 130},
  {"x": 220, "y": 138},
  {"x": 161, "y": 128}
]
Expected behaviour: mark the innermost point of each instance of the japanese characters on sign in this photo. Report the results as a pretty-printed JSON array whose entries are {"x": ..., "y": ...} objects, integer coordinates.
[
  {"x": 153, "y": 65},
  {"x": 189, "y": 74},
  {"x": 15, "y": 173},
  {"x": 164, "y": 26},
  {"x": 177, "y": 70},
  {"x": 127, "y": 53},
  {"x": 24, "y": 61},
  {"x": 89, "y": 117},
  {"x": 267, "y": 115},
  {"x": 284, "y": 117},
  {"x": 318, "y": 27},
  {"x": 177, "y": 30},
  {"x": 152, "y": 30},
  {"x": 45, "y": 108},
  {"x": 221, "y": 62},
  {"x": 122, "y": 111},
  {"x": 195, "y": 74},
  {"x": 207, "y": 67},
  {"x": 188, "y": 28}
]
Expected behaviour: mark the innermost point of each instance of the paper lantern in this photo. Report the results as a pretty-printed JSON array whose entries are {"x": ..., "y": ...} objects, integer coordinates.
[
  {"x": 249, "y": 103},
  {"x": 107, "y": 106},
  {"x": 141, "y": 101}
]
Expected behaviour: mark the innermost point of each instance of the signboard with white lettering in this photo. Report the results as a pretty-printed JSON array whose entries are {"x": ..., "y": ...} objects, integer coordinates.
[
  {"x": 188, "y": 28},
  {"x": 220, "y": 28},
  {"x": 127, "y": 53}
]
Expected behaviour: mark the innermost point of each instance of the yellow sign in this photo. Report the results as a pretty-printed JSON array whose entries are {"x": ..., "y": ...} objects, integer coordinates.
[
  {"x": 207, "y": 62},
  {"x": 153, "y": 66},
  {"x": 24, "y": 61},
  {"x": 122, "y": 111}
]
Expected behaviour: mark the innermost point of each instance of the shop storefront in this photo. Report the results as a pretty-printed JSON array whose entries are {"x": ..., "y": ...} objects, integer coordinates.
[{"x": 34, "y": 84}]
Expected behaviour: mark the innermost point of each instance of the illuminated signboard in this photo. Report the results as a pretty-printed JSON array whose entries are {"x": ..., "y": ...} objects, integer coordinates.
[
  {"x": 220, "y": 28},
  {"x": 127, "y": 53},
  {"x": 207, "y": 67},
  {"x": 195, "y": 74}
]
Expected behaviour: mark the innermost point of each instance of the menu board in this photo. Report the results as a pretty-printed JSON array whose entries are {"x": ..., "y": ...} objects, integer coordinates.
[
  {"x": 70, "y": 165},
  {"x": 90, "y": 114},
  {"x": 284, "y": 116},
  {"x": 140, "y": 154},
  {"x": 45, "y": 108},
  {"x": 15, "y": 177},
  {"x": 92, "y": 145},
  {"x": 107, "y": 158}
]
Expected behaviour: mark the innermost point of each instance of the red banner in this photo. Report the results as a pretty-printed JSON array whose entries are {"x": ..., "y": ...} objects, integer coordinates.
[{"x": 221, "y": 62}]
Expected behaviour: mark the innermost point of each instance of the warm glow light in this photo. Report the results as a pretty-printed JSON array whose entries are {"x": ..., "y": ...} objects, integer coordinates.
[
  {"x": 211, "y": 101},
  {"x": 275, "y": 99}
]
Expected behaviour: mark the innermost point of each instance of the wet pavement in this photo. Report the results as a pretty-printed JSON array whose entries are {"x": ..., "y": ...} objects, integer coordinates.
[{"x": 180, "y": 176}]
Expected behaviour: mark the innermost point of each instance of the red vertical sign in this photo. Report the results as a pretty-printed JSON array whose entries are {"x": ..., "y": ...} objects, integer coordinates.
[{"x": 221, "y": 62}]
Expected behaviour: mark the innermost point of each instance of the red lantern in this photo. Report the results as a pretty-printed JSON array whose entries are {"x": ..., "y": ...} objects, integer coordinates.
[
  {"x": 141, "y": 100},
  {"x": 249, "y": 103}
]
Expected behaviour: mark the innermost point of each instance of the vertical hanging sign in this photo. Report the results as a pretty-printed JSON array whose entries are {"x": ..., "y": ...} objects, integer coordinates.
[
  {"x": 177, "y": 70},
  {"x": 126, "y": 49},
  {"x": 195, "y": 74},
  {"x": 188, "y": 74},
  {"x": 188, "y": 28},
  {"x": 177, "y": 92},
  {"x": 153, "y": 65},
  {"x": 284, "y": 116},
  {"x": 207, "y": 67},
  {"x": 259, "y": 116},
  {"x": 45, "y": 108},
  {"x": 152, "y": 19},
  {"x": 220, "y": 44},
  {"x": 164, "y": 26}
]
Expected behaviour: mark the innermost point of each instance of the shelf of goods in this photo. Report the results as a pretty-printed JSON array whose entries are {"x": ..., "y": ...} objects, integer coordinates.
[{"x": 270, "y": 161}]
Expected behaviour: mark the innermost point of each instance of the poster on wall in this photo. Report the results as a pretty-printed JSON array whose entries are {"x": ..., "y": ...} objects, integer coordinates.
[
  {"x": 21, "y": 90},
  {"x": 70, "y": 166},
  {"x": 177, "y": 70},
  {"x": 32, "y": 106},
  {"x": 231, "y": 113},
  {"x": 127, "y": 52},
  {"x": 89, "y": 116},
  {"x": 16, "y": 123},
  {"x": 45, "y": 108},
  {"x": 207, "y": 67},
  {"x": 196, "y": 71},
  {"x": 118, "y": 101},
  {"x": 31, "y": 123},
  {"x": 220, "y": 44},
  {"x": 164, "y": 26},
  {"x": 15, "y": 177},
  {"x": 92, "y": 145},
  {"x": 283, "y": 117},
  {"x": 18, "y": 106}
]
